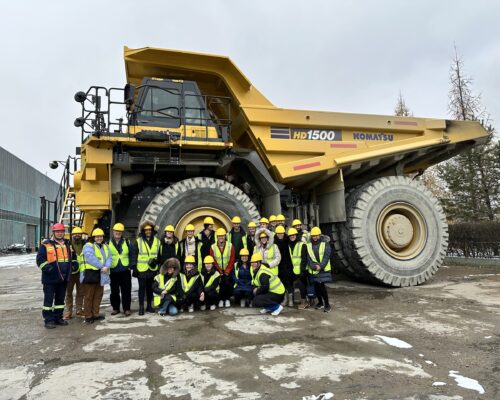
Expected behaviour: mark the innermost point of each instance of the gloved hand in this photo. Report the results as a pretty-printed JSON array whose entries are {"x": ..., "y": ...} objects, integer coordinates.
[
  {"x": 152, "y": 262},
  {"x": 135, "y": 273}
]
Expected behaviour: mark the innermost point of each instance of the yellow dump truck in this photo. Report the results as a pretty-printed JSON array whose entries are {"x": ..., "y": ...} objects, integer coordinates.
[{"x": 196, "y": 138}]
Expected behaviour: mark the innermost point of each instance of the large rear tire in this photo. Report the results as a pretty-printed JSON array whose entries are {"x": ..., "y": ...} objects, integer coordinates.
[
  {"x": 396, "y": 232},
  {"x": 190, "y": 200}
]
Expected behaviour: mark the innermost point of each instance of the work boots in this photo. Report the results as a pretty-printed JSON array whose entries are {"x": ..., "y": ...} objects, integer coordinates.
[
  {"x": 141, "y": 309},
  {"x": 290, "y": 300},
  {"x": 150, "y": 309},
  {"x": 304, "y": 304}
]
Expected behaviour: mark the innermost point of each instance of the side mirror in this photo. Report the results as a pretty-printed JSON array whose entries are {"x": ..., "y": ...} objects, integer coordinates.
[{"x": 128, "y": 95}]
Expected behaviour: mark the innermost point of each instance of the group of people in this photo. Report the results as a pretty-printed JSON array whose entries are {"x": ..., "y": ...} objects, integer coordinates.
[{"x": 263, "y": 266}]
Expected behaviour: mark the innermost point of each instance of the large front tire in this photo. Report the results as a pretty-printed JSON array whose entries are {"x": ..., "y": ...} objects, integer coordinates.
[{"x": 396, "y": 232}]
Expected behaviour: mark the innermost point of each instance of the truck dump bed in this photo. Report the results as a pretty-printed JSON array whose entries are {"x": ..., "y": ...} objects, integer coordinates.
[{"x": 298, "y": 146}]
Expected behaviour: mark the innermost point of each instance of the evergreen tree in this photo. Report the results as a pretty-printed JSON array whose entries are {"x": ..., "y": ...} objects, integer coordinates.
[{"x": 472, "y": 178}]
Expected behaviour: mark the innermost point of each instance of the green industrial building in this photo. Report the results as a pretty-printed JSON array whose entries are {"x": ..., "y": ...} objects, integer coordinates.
[{"x": 21, "y": 187}]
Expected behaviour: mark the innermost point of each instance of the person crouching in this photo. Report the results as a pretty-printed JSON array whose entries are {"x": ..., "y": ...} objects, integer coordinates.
[
  {"x": 192, "y": 285},
  {"x": 166, "y": 287},
  {"x": 268, "y": 290},
  {"x": 211, "y": 280},
  {"x": 242, "y": 279}
]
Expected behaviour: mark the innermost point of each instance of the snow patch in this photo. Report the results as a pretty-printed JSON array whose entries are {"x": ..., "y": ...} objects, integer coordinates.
[
  {"x": 247, "y": 348},
  {"x": 430, "y": 362},
  {"x": 322, "y": 396},
  {"x": 114, "y": 343},
  {"x": 259, "y": 324},
  {"x": 185, "y": 378},
  {"x": 211, "y": 356},
  {"x": 395, "y": 342},
  {"x": 487, "y": 337},
  {"x": 93, "y": 380},
  {"x": 291, "y": 385},
  {"x": 149, "y": 321},
  {"x": 330, "y": 367},
  {"x": 15, "y": 382},
  {"x": 439, "y": 384},
  {"x": 467, "y": 383},
  {"x": 23, "y": 260}
]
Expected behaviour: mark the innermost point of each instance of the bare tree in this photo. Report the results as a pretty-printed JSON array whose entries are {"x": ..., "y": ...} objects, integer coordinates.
[{"x": 401, "y": 109}]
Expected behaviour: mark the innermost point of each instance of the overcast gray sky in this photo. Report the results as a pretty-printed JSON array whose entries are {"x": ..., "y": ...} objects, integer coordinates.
[{"x": 348, "y": 56}]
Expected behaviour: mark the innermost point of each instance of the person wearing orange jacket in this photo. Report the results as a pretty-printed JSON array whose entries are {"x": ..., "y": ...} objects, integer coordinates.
[
  {"x": 223, "y": 253},
  {"x": 55, "y": 260}
]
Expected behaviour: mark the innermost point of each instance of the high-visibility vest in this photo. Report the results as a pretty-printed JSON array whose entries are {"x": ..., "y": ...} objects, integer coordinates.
[
  {"x": 237, "y": 271},
  {"x": 176, "y": 247},
  {"x": 81, "y": 262},
  {"x": 98, "y": 254},
  {"x": 147, "y": 253},
  {"x": 275, "y": 285},
  {"x": 211, "y": 280},
  {"x": 243, "y": 239},
  {"x": 55, "y": 253},
  {"x": 163, "y": 286},
  {"x": 322, "y": 247},
  {"x": 187, "y": 285},
  {"x": 269, "y": 256},
  {"x": 115, "y": 256},
  {"x": 222, "y": 259},
  {"x": 296, "y": 256}
]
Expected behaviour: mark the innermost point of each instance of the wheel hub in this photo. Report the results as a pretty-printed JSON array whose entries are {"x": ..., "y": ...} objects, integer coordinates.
[{"x": 397, "y": 231}]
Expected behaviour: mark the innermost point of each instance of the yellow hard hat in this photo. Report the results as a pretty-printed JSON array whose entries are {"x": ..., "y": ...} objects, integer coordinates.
[
  {"x": 147, "y": 226},
  {"x": 220, "y": 232},
  {"x": 296, "y": 222},
  {"x": 244, "y": 252},
  {"x": 208, "y": 221},
  {"x": 256, "y": 257},
  {"x": 292, "y": 231},
  {"x": 189, "y": 227},
  {"x": 236, "y": 220},
  {"x": 208, "y": 260},
  {"x": 280, "y": 217},
  {"x": 97, "y": 232},
  {"x": 252, "y": 224},
  {"x": 315, "y": 231},
  {"x": 263, "y": 234},
  {"x": 169, "y": 228},
  {"x": 118, "y": 227},
  {"x": 264, "y": 220},
  {"x": 280, "y": 229},
  {"x": 189, "y": 259},
  {"x": 272, "y": 218},
  {"x": 77, "y": 230}
]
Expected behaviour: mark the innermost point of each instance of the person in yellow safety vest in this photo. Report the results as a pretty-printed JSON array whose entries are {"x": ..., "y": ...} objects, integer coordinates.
[
  {"x": 166, "y": 288},
  {"x": 280, "y": 220},
  {"x": 237, "y": 236},
  {"x": 223, "y": 253},
  {"x": 298, "y": 254},
  {"x": 302, "y": 234},
  {"x": 206, "y": 238},
  {"x": 190, "y": 245},
  {"x": 74, "y": 279},
  {"x": 263, "y": 223},
  {"x": 268, "y": 290},
  {"x": 250, "y": 236},
  {"x": 272, "y": 223},
  {"x": 211, "y": 280},
  {"x": 54, "y": 259},
  {"x": 96, "y": 274},
  {"x": 192, "y": 286},
  {"x": 285, "y": 270},
  {"x": 264, "y": 244},
  {"x": 148, "y": 248},
  {"x": 319, "y": 267},
  {"x": 170, "y": 246},
  {"x": 242, "y": 278},
  {"x": 121, "y": 280}
]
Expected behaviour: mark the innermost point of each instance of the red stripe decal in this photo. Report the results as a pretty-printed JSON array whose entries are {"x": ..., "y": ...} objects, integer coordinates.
[
  {"x": 412, "y": 123},
  {"x": 304, "y": 166},
  {"x": 343, "y": 145}
]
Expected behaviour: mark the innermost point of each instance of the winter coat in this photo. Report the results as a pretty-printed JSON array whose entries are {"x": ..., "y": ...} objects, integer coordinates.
[
  {"x": 213, "y": 290},
  {"x": 242, "y": 283},
  {"x": 206, "y": 242},
  {"x": 91, "y": 258},
  {"x": 274, "y": 262},
  {"x": 145, "y": 274},
  {"x": 176, "y": 289},
  {"x": 169, "y": 250},
  {"x": 182, "y": 250},
  {"x": 237, "y": 240},
  {"x": 55, "y": 272}
]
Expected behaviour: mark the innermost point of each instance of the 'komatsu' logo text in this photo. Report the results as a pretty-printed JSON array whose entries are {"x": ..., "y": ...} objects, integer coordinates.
[{"x": 385, "y": 137}]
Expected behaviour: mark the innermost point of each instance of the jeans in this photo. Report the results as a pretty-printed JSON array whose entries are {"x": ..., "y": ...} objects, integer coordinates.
[{"x": 167, "y": 306}]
